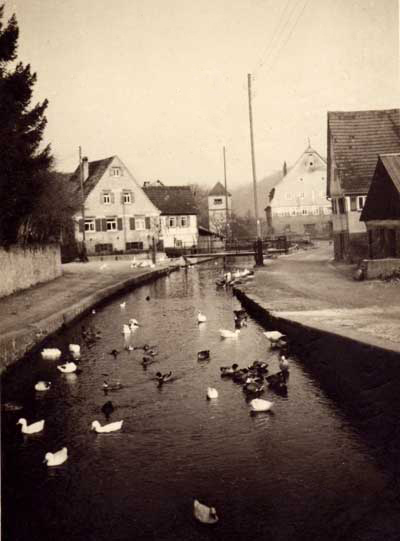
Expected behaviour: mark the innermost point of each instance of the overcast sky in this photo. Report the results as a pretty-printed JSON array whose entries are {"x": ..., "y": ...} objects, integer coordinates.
[{"x": 163, "y": 83}]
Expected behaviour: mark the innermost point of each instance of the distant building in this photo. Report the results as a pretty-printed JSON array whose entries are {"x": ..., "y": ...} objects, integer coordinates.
[
  {"x": 118, "y": 214},
  {"x": 381, "y": 212},
  {"x": 219, "y": 207},
  {"x": 178, "y": 209},
  {"x": 210, "y": 241},
  {"x": 298, "y": 203},
  {"x": 355, "y": 139}
]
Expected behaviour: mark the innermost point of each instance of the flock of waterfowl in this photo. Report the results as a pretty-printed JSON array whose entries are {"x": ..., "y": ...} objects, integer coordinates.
[{"x": 254, "y": 378}]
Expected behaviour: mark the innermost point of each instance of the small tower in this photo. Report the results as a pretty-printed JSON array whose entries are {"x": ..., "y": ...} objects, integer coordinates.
[{"x": 219, "y": 209}]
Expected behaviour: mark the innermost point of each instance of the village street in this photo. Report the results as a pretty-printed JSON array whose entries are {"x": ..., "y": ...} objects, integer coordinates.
[{"x": 307, "y": 286}]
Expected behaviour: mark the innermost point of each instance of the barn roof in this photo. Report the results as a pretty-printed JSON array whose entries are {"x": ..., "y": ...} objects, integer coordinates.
[
  {"x": 172, "y": 200},
  {"x": 96, "y": 171},
  {"x": 356, "y": 138}
]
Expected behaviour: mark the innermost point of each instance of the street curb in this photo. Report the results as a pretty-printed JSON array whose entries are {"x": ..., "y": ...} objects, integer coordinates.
[{"x": 15, "y": 344}]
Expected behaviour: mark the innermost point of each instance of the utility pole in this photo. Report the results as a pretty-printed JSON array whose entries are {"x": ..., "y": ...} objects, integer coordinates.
[
  {"x": 84, "y": 253},
  {"x": 258, "y": 244},
  {"x": 226, "y": 199}
]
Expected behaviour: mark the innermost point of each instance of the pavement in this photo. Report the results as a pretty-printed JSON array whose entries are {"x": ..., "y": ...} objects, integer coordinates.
[
  {"x": 28, "y": 316},
  {"x": 308, "y": 287}
]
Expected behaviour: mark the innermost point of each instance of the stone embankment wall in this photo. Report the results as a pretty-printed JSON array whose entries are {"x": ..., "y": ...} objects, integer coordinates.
[
  {"x": 380, "y": 268},
  {"x": 363, "y": 379},
  {"x": 21, "y": 268}
]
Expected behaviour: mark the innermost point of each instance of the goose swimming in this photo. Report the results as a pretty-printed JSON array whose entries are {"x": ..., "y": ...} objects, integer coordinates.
[
  {"x": 123, "y": 305},
  {"x": 203, "y": 355},
  {"x": 51, "y": 354},
  {"x": 212, "y": 393},
  {"x": 111, "y": 427},
  {"x": 112, "y": 386},
  {"x": 276, "y": 338},
  {"x": 258, "y": 404},
  {"x": 56, "y": 459},
  {"x": 228, "y": 371},
  {"x": 204, "y": 514},
  {"x": 67, "y": 368},
  {"x": 30, "y": 429},
  {"x": 201, "y": 318},
  {"x": 163, "y": 378},
  {"x": 42, "y": 385},
  {"x": 283, "y": 364},
  {"x": 229, "y": 334}
]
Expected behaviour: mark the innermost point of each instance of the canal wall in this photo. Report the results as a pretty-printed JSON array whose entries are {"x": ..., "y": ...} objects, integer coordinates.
[
  {"x": 23, "y": 267},
  {"x": 363, "y": 377},
  {"x": 15, "y": 344}
]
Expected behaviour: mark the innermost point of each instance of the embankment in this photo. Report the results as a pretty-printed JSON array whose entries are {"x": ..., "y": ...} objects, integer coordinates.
[
  {"x": 362, "y": 377},
  {"x": 15, "y": 344}
]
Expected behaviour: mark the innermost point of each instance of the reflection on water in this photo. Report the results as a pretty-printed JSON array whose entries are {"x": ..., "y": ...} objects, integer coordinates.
[{"x": 292, "y": 474}]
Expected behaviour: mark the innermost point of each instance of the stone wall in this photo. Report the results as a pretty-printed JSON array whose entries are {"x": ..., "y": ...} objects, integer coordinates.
[
  {"x": 380, "y": 268},
  {"x": 21, "y": 268}
]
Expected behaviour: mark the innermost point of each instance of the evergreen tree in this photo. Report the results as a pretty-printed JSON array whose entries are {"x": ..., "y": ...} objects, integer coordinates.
[{"x": 25, "y": 169}]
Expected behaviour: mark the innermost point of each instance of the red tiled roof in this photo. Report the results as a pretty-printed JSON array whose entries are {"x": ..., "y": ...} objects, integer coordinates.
[
  {"x": 172, "y": 200},
  {"x": 218, "y": 190},
  {"x": 96, "y": 171},
  {"x": 357, "y": 138}
]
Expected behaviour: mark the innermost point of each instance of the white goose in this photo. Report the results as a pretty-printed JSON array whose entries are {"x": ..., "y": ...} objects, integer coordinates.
[
  {"x": 42, "y": 385},
  {"x": 275, "y": 337},
  {"x": 283, "y": 364},
  {"x": 261, "y": 405},
  {"x": 133, "y": 323},
  {"x": 111, "y": 427},
  {"x": 201, "y": 318},
  {"x": 229, "y": 334},
  {"x": 75, "y": 350},
  {"x": 126, "y": 330},
  {"x": 67, "y": 368},
  {"x": 30, "y": 429},
  {"x": 212, "y": 393},
  {"x": 51, "y": 354},
  {"x": 204, "y": 514},
  {"x": 57, "y": 458},
  {"x": 123, "y": 305}
]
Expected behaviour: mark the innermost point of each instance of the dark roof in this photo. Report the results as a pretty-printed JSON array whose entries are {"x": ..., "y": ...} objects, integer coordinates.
[
  {"x": 96, "y": 171},
  {"x": 204, "y": 232},
  {"x": 383, "y": 200},
  {"x": 218, "y": 190},
  {"x": 172, "y": 200},
  {"x": 357, "y": 138}
]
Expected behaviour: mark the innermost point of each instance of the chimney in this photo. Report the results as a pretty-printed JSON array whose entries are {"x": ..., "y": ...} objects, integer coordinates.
[{"x": 85, "y": 168}]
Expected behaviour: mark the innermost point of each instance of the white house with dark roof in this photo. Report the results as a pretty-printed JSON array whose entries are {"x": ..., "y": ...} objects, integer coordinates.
[
  {"x": 178, "y": 220},
  {"x": 118, "y": 215},
  {"x": 219, "y": 208},
  {"x": 355, "y": 139},
  {"x": 298, "y": 203}
]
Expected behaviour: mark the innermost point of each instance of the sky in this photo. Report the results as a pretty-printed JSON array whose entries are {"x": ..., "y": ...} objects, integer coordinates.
[{"x": 163, "y": 83}]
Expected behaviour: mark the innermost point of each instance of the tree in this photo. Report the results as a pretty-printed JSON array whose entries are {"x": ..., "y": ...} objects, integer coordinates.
[{"x": 26, "y": 176}]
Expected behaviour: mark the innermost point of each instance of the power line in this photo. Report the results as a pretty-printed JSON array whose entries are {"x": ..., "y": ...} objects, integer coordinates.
[
  {"x": 273, "y": 60},
  {"x": 270, "y": 44}
]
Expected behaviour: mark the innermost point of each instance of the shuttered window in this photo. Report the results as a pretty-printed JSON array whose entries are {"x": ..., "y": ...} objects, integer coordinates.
[
  {"x": 148, "y": 223},
  {"x": 132, "y": 223}
]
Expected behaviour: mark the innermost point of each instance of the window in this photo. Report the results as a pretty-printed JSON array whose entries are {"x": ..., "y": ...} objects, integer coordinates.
[
  {"x": 140, "y": 223},
  {"x": 107, "y": 198},
  {"x": 111, "y": 224},
  {"x": 103, "y": 248},
  {"x": 288, "y": 195},
  {"x": 301, "y": 195},
  {"x": 115, "y": 172},
  {"x": 304, "y": 211},
  {"x": 184, "y": 221},
  {"x": 361, "y": 202},
  {"x": 218, "y": 201},
  {"x": 134, "y": 245},
  {"x": 341, "y": 204},
  {"x": 353, "y": 203},
  {"x": 315, "y": 211},
  {"x": 334, "y": 206},
  {"x": 90, "y": 225},
  {"x": 178, "y": 243},
  {"x": 292, "y": 212},
  {"x": 127, "y": 198},
  {"x": 327, "y": 210},
  {"x": 171, "y": 221}
]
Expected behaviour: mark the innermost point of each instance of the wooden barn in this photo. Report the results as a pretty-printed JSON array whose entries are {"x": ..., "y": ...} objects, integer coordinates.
[{"x": 381, "y": 212}]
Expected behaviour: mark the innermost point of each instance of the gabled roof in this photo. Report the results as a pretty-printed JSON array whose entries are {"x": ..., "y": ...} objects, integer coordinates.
[
  {"x": 218, "y": 190},
  {"x": 383, "y": 201},
  {"x": 357, "y": 137},
  {"x": 172, "y": 200},
  {"x": 96, "y": 171}
]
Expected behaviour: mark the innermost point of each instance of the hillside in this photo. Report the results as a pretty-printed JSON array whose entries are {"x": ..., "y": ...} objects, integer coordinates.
[{"x": 243, "y": 198}]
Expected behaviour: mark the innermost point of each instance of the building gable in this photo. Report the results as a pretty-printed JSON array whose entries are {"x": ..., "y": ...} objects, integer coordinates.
[{"x": 383, "y": 201}]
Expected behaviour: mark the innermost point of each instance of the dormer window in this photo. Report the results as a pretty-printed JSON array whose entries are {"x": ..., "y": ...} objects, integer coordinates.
[{"x": 116, "y": 172}]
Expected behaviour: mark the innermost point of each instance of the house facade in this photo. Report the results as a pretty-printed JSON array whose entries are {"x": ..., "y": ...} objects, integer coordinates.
[
  {"x": 381, "y": 212},
  {"x": 355, "y": 139},
  {"x": 118, "y": 215},
  {"x": 178, "y": 219},
  {"x": 298, "y": 203},
  {"x": 219, "y": 208}
]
